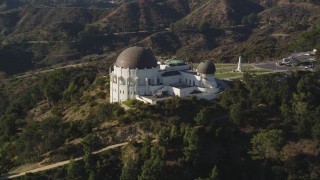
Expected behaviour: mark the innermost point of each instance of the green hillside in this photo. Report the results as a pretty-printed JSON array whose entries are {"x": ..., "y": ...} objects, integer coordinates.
[{"x": 265, "y": 126}]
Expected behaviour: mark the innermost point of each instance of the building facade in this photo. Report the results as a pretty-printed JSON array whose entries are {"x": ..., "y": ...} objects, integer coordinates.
[{"x": 138, "y": 75}]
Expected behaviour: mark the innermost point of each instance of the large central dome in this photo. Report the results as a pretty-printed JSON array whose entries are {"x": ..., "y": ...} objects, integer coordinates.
[{"x": 136, "y": 57}]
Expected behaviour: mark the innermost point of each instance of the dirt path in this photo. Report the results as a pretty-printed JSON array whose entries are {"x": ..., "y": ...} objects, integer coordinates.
[
  {"x": 62, "y": 163},
  {"x": 26, "y": 74}
]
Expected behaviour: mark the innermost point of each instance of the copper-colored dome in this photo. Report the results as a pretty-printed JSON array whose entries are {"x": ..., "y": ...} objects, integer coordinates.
[
  {"x": 206, "y": 67},
  {"x": 136, "y": 57}
]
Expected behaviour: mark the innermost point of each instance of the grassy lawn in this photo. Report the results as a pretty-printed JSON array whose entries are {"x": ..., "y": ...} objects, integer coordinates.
[
  {"x": 220, "y": 65},
  {"x": 226, "y": 70},
  {"x": 232, "y": 68},
  {"x": 261, "y": 70},
  {"x": 228, "y": 75},
  {"x": 224, "y": 65}
]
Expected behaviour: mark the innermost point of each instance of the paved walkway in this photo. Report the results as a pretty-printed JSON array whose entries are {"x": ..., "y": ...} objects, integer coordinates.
[{"x": 58, "y": 164}]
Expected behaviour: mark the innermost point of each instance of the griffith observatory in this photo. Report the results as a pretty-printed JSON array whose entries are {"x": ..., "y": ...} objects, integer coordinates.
[{"x": 138, "y": 75}]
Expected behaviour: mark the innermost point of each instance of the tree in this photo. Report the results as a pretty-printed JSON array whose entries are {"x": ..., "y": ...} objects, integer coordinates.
[
  {"x": 53, "y": 85},
  {"x": 70, "y": 93},
  {"x": 153, "y": 168},
  {"x": 3, "y": 102},
  {"x": 88, "y": 146},
  {"x": 307, "y": 40},
  {"x": 192, "y": 148},
  {"x": 203, "y": 26},
  {"x": 130, "y": 169},
  {"x": 172, "y": 104},
  {"x": 204, "y": 117},
  {"x": 131, "y": 160},
  {"x": 237, "y": 112},
  {"x": 316, "y": 132},
  {"x": 40, "y": 137},
  {"x": 250, "y": 20},
  {"x": 163, "y": 137},
  {"x": 75, "y": 170},
  {"x": 5, "y": 164},
  {"x": 146, "y": 147},
  {"x": 265, "y": 145},
  {"x": 214, "y": 173}
]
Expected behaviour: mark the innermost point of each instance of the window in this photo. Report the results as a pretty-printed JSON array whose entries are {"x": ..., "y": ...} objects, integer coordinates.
[
  {"x": 131, "y": 82},
  {"x": 122, "y": 81}
]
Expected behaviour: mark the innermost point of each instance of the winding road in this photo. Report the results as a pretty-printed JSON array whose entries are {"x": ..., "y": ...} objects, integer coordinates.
[{"x": 58, "y": 164}]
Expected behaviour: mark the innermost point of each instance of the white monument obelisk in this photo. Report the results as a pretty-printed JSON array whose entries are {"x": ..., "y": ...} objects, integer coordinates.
[{"x": 239, "y": 64}]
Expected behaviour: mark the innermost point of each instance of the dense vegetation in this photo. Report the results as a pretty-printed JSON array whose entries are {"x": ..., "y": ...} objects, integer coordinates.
[{"x": 265, "y": 126}]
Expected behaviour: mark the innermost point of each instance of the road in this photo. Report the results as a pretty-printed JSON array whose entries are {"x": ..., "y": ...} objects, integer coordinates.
[
  {"x": 301, "y": 56},
  {"x": 58, "y": 164},
  {"x": 273, "y": 66}
]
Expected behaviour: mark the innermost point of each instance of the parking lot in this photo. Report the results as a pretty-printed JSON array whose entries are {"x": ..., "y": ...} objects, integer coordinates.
[{"x": 296, "y": 61}]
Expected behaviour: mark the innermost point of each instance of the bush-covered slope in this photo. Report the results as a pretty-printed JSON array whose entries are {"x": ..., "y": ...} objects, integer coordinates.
[{"x": 265, "y": 126}]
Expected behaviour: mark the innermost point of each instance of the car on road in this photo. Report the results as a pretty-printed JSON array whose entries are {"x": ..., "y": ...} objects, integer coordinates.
[
  {"x": 310, "y": 65},
  {"x": 290, "y": 61},
  {"x": 312, "y": 59}
]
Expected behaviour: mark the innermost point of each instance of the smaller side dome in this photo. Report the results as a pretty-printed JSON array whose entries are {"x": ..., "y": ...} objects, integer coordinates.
[{"x": 206, "y": 67}]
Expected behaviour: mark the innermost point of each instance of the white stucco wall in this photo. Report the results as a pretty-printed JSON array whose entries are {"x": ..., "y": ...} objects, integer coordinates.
[
  {"x": 127, "y": 83},
  {"x": 130, "y": 83},
  {"x": 170, "y": 80}
]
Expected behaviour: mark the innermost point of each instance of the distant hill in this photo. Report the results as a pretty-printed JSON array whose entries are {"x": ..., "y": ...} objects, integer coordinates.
[{"x": 53, "y": 32}]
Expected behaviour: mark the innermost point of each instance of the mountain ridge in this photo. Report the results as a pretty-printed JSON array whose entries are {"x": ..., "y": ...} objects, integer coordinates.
[{"x": 194, "y": 30}]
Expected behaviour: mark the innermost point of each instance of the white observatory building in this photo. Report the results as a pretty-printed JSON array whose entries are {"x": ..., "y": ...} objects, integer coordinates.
[{"x": 138, "y": 75}]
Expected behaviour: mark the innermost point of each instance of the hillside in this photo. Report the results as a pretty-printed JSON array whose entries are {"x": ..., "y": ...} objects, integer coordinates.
[
  {"x": 262, "y": 127},
  {"x": 46, "y": 33}
]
